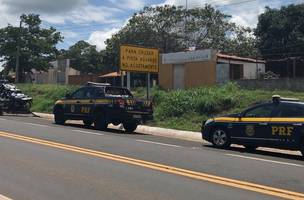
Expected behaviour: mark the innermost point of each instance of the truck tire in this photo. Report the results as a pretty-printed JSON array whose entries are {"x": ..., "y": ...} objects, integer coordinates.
[
  {"x": 87, "y": 123},
  {"x": 129, "y": 127},
  {"x": 100, "y": 122},
  {"x": 302, "y": 148},
  {"x": 250, "y": 148}
]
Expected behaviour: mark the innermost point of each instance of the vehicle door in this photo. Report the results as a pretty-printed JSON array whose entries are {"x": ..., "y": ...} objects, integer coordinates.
[
  {"x": 287, "y": 124},
  {"x": 79, "y": 103},
  {"x": 252, "y": 126}
]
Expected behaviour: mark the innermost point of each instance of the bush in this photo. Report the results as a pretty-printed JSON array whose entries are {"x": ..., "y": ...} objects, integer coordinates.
[{"x": 45, "y": 95}]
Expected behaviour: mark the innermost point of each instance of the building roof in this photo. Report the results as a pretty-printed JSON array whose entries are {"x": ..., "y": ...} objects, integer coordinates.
[
  {"x": 237, "y": 58},
  {"x": 111, "y": 75}
]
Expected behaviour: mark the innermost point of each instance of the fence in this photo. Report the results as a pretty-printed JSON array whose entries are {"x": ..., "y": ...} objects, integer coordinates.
[{"x": 274, "y": 84}]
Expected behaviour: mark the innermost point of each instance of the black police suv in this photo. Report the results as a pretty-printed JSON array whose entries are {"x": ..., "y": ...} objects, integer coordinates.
[
  {"x": 103, "y": 104},
  {"x": 277, "y": 124}
]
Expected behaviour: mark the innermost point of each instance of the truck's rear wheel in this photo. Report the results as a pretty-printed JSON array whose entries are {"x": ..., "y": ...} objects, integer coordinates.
[
  {"x": 130, "y": 127},
  {"x": 250, "y": 148},
  {"x": 302, "y": 148},
  {"x": 100, "y": 122},
  {"x": 87, "y": 122}
]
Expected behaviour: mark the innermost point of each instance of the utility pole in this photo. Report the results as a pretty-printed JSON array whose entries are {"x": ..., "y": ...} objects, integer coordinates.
[
  {"x": 17, "y": 77},
  {"x": 185, "y": 26}
]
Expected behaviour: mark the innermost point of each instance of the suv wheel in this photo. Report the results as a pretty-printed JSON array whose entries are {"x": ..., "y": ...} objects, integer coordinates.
[
  {"x": 59, "y": 118},
  {"x": 100, "y": 122},
  {"x": 130, "y": 127},
  {"x": 87, "y": 122},
  {"x": 302, "y": 149},
  {"x": 220, "y": 138}
]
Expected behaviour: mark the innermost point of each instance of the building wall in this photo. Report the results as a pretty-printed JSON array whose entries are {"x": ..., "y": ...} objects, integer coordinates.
[
  {"x": 82, "y": 79},
  {"x": 250, "y": 69},
  {"x": 200, "y": 74},
  {"x": 57, "y": 74},
  {"x": 166, "y": 76},
  {"x": 196, "y": 73}
]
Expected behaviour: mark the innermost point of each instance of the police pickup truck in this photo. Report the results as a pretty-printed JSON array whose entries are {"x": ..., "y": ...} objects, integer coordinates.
[
  {"x": 277, "y": 124},
  {"x": 102, "y": 104}
]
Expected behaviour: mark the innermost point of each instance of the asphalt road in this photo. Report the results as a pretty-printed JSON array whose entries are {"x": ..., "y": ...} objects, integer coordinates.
[{"x": 82, "y": 163}]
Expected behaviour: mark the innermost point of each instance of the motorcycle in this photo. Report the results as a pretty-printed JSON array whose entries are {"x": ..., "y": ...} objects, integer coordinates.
[{"x": 12, "y": 100}]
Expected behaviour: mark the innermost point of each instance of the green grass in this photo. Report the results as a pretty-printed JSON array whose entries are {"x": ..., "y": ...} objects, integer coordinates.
[
  {"x": 180, "y": 109},
  {"x": 45, "y": 95}
]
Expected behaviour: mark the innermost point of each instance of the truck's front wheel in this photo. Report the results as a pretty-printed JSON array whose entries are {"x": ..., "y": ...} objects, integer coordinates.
[
  {"x": 59, "y": 118},
  {"x": 130, "y": 126}
]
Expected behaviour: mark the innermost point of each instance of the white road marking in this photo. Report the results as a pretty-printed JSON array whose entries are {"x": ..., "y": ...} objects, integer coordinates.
[
  {"x": 41, "y": 125},
  {"x": 265, "y": 160},
  {"x": 3, "y": 119},
  {"x": 2, "y": 197},
  {"x": 163, "y": 144},
  {"x": 87, "y": 132}
]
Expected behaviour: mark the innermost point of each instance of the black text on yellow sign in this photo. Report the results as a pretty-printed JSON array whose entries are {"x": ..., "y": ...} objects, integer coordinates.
[
  {"x": 139, "y": 59},
  {"x": 282, "y": 130}
]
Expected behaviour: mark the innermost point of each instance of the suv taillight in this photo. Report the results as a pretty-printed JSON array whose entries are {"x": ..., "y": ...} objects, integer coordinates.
[{"x": 120, "y": 102}]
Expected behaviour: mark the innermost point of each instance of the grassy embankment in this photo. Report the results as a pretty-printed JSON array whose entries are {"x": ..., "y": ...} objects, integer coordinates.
[{"x": 182, "y": 110}]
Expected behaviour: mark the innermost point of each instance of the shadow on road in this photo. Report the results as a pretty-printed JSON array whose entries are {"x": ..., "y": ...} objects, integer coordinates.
[
  {"x": 274, "y": 153},
  {"x": 117, "y": 131}
]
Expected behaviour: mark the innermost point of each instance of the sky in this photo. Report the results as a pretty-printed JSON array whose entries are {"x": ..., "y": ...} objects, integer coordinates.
[{"x": 96, "y": 20}]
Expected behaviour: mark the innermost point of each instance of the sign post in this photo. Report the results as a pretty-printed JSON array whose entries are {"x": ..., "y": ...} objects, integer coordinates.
[{"x": 139, "y": 59}]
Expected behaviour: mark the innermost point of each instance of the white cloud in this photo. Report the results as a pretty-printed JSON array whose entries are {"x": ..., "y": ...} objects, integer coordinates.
[
  {"x": 128, "y": 4},
  {"x": 243, "y": 13},
  {"x": 69, "y": 34},
  {"x": 55, "y": 12},
  {"x": 42, "y": 6},
  {"x": 98, "y": 38}
]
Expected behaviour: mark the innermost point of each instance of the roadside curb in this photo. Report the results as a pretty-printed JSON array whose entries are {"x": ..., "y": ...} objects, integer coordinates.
[
  {"x": 172, "y": 133},
  {"x": 149, "y": 130}
]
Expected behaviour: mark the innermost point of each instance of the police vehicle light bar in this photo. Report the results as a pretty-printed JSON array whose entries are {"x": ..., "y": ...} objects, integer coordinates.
[
  {"x": 278, "y": 98},
  {"x": 97, "y": 84}
]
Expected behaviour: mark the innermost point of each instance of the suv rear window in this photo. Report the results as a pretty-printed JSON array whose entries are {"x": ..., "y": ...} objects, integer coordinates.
[{"x": 289, "y": 110}]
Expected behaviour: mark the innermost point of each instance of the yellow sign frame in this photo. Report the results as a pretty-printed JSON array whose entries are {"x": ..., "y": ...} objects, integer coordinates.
[{"x": 139, "y": 59}]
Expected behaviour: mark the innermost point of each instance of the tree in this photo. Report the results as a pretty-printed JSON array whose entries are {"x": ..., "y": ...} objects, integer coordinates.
[
  {"x": 280, "y": 32},
  {"x": 156, "y": 27},
  {"x": 172, "y": 29},
  {"x": 37, "y": 45},
  {"x": 85, "y": 58}
]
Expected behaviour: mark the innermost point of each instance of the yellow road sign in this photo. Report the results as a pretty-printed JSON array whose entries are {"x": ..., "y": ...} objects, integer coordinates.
[{"x": 139, "y": 59}]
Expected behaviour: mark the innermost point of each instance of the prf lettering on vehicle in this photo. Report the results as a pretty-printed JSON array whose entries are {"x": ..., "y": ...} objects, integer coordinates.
[
  {"x": 85, "y": 109},
  {"x": 282, "y": 130}
]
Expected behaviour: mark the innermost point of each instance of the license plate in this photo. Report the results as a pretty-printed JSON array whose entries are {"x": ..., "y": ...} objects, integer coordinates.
[{"x": 137, "y": 116}]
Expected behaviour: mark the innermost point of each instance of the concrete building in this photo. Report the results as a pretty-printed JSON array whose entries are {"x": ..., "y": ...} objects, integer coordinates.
[
  {"x": 184, "y": 70},
  {"x": 58, "y": 74}
]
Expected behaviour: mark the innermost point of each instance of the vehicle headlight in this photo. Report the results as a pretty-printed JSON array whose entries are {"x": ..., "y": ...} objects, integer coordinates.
[{"x": 209, "y": 121}]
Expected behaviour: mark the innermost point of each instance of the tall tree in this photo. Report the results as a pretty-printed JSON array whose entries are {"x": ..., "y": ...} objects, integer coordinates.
[
  {"x": 156, "y": 27},
  {"x": 85, "y": 58},
  {"x": 37, "y": 45},
  {"x": 173, "y": 29},
  {"x": 280, "y": 32}
]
